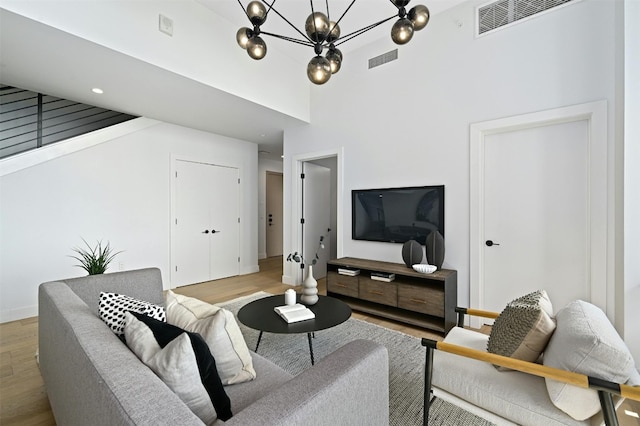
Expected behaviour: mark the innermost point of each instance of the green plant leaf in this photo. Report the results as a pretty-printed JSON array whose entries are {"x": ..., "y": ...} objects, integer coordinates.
[{"x": 94, "y": 260}]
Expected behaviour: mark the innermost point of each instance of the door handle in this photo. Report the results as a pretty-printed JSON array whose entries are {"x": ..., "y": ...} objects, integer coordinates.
[
  {"x": 206, "y": 231},
  {"x": 213, "y": 231},
  {"x": 490, "y": 243}
]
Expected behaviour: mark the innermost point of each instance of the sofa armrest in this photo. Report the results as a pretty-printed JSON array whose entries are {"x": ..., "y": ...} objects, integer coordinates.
[
  {"x": 475, "y": 313},
  {"x": 348, "y": 387},
  {"x": 576, "y": 379}
]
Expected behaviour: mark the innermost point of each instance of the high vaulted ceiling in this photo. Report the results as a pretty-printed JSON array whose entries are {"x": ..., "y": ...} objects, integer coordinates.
[{"x": 41, "y": 58}]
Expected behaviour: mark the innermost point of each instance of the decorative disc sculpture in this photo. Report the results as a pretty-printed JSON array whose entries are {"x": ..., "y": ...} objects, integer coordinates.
[{"x": 411, "y": 253}]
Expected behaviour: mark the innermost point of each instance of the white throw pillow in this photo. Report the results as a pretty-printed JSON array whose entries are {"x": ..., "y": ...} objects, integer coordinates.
[
  {"x": 218, "y": 327},
  {"x": 175, "y": 365},
  {"x": 585, "y": 342},
  {"x": 112, "y": 307}
]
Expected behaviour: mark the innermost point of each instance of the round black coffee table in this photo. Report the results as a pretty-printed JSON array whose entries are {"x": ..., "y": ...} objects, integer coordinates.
[{"x": 260, "y": 315}]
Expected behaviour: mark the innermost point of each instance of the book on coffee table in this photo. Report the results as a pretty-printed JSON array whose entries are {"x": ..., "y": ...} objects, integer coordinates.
[{"x": 294, "y": 313}]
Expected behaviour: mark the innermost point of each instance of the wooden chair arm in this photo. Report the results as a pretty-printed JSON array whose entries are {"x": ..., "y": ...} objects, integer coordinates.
[
  {"x": 564, "y": 376},
  {"x": 474, "y": 312}
]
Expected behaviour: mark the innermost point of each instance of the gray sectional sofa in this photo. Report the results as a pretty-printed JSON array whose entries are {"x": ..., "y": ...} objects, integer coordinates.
[{"x": 91, "y": 377}]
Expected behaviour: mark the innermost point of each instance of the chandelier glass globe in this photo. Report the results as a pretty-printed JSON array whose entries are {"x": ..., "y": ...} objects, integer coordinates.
[{"x": 319, "y": 70}]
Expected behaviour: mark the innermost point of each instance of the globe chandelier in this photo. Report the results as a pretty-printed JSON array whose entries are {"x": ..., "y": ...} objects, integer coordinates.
[{"x": 323, "y": 34}]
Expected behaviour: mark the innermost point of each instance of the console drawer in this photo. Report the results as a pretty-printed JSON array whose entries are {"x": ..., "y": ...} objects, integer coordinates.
[
  {"x": 421, "y": 299},
  {"x": 379, "y": 291},
  {"x": 342, "y": 284}
]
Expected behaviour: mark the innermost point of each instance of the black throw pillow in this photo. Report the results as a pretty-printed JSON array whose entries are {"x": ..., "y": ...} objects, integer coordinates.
[{"x": 165, "y": 333}]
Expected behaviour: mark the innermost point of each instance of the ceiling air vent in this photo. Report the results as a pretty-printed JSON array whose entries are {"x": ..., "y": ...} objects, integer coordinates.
[
  {"x": 504, "y": 12},
  {"x": 383, "y": 59}
]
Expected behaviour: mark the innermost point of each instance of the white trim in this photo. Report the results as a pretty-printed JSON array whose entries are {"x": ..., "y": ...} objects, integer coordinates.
[
  {"x": 49, "y": 152},
  {"x": 18, "y": 313},
  {"x": 296, "y": 206},
  {"x": 595, "y": 113}
]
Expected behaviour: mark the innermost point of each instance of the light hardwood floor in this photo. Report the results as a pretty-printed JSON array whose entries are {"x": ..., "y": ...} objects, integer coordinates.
[{"x": 23, "y": 400}]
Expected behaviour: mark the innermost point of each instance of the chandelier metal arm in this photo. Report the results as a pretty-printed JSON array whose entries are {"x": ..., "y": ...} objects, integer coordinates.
[
  {"x": 354, "y": 34},
  {"x": 291, "y": 39},
  {"x": 271, "y": 6},
  {"x": 288, "y": 22},
  {"x": 343, "y": 13},
  {"x": 244, "y": 10}
]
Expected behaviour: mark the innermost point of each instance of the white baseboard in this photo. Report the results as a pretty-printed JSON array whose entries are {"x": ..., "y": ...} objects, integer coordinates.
[
  {"x": 18, "y": 314},
  {"x": 250, "y": 270},
  {"x": 289, "y": 280}
]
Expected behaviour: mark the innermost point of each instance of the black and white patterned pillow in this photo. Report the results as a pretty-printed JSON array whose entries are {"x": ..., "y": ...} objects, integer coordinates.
[{"x": 113, "y": 307}]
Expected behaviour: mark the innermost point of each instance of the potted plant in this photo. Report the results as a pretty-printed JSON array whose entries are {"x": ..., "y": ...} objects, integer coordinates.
[{"x": 95, "y": 260}]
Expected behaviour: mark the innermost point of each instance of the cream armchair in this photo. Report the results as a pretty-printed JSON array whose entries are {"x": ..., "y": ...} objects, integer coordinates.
[{"x": 461, "y": 371}]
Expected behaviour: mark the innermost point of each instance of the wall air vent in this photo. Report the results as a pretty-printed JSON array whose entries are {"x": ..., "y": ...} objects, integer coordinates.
[
  {"x": 504, "y": 12},
  {"x": 383, "y": 59}
]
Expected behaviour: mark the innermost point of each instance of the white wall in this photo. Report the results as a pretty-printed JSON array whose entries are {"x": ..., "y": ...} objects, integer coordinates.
[
  {"x": 632, "y": 178},
  {"x": 264, "y": 165},
  {"x": 406, "y": 123},
  {"x": 117, "y": 191}
]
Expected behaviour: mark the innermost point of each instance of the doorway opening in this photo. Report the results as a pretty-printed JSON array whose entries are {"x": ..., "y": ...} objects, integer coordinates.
[{"x": 317, "y": 201}]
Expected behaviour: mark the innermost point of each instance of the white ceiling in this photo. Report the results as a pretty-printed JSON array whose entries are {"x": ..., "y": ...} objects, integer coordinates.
[{"x": 40, "y": 58}]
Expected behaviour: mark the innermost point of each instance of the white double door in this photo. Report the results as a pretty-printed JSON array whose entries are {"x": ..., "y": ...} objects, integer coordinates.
[{"x": 206, "y": 223}]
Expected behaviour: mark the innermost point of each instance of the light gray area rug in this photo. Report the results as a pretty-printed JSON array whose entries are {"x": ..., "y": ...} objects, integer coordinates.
[{"x": 406, "y": 364}]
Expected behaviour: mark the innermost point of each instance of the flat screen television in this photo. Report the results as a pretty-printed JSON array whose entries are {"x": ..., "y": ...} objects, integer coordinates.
[{"x": 397, "y": 215}]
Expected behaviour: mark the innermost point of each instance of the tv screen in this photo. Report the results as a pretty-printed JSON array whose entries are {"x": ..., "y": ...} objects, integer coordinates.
[{"x": 397, "y": 215}]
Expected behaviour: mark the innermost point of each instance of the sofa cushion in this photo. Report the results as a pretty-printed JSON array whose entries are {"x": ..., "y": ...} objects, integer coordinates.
[
  {"x": 585, "y": 342},
  {"x": 112, "y": 308},
  {"x": 219, "y": 329},
  {"x": 187, "y": 366},
  {"x": 523, "y": 328}
]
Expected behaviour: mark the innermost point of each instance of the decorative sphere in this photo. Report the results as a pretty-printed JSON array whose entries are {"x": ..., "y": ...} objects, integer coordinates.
[
  {"x": 242, "y": 36},
  {"x": 334, "y": 34},
  {"x": 419, "y": 15},
  {"x": 257, "y": 12},
  {"x": 256, "y": 47},
  {"x": 402, "y": 31},
  {"x": 317, "y": 26},
  {"x": 319, "y": 70},
  {"x": 334, "y": 56},
  {"x": 400, "y": 3}
]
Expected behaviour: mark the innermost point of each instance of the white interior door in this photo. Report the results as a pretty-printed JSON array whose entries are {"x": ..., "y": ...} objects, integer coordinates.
[
  {"x": 274, "y": 218},
  {"x": 191, "y": 248},
  {"x": 536, "y": 207},
  {"x": 224, "y": 237},
  {"x": 206, "y": 227},
  {"x": 317, "y": 215}
]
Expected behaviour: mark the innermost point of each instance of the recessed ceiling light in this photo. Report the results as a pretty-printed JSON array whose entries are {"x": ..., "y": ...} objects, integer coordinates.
[{"x": 97, "y": 90}]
